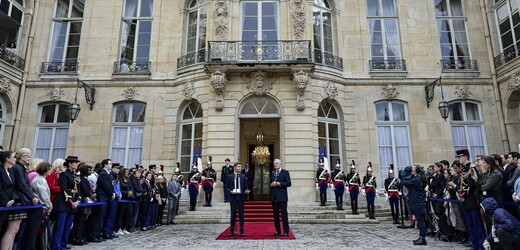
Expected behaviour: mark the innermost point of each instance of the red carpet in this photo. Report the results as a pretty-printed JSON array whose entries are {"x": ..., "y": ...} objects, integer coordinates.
[
  {"x": 258, "y": 212},
  {"x": 255, "y": 231}
]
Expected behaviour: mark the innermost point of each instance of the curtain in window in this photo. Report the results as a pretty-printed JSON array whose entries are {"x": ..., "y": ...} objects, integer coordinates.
[
  {"x": 459, "y": 27},
  {"x": 384, "y": 139},
  {"x": 459, "y": 137},
  {"x": 118, "y": 144},
  {"x": 402, "y": 143},
  {"x": 391, "y": 31},
  {"x": 43, "y": 144},
  {"x": 58, "y": 41},
  {"x": 476, "y": 140}
]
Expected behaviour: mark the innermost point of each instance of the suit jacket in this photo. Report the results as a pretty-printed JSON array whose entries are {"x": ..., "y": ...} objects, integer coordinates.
[
  {"x": 230, "y": 185},
  {"x": 280, "y": 193},
  {"x": 174, "y": 188},
  {"x": 104, "y": 188},
  {"x": 22, "y": 184},
  {"x": 226, "y": 171},
  {"x": 249, "y": 175},
  {"x": 7, "y": 184}
]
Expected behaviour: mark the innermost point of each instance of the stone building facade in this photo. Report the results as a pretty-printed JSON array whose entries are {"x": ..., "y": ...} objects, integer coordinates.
[{"x": 159, "y": 81}]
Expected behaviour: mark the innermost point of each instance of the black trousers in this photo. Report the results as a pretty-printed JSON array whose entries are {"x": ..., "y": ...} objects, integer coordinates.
[
  {"x": 32, "y": 225},
  {"x": 124, "y": 216},
  {"x": 79, "y": 225},
  {"x": 145, "y": 203},
  {"x": 160, "y": 213},
  {"x": 236, "y": 201},
  {"x": 507, "y": 239},
  {"x": 277, "y": 206}
]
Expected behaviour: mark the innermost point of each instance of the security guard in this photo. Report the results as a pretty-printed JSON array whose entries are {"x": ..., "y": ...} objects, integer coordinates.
[
  {"x": 322, "y": 181},
  {"x": 193, "y": 186},
  {"x": 339, "y": 178},
  {"x": 226, "y": 171},
  {"x": 392, "y": 193},
  {"x": 353, "y": 182},
  {"x": 370, "y": 190},
  {"x": 209, "y": 176}
]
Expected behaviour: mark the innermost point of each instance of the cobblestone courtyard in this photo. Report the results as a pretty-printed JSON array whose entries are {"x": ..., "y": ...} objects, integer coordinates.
[{"x": 382, "y": 236}]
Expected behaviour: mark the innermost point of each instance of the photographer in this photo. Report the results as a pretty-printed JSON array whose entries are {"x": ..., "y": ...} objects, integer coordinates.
[
  {"x": 413, "y": 181},
  {"x": 505, "y": 227}
]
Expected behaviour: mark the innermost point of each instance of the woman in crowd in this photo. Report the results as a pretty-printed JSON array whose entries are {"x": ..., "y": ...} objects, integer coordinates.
[
  {"x": 138, "y": 191},
  {"x": 147, "y": 198},
  {"x": 124, "y": 209},
  {"x": 436, "y": 187},
  {"x": 163, "y": 194},
  {"x": 11, "y": 198},
  {"x": 66, "y": 203},
  {"x": 41, "y": 189},
  {"x": 414, "y": 182},
  {"x": 86, "y": 194},
  {"x": 459, "y": 231},
  {"x": 32, "y": 168}
]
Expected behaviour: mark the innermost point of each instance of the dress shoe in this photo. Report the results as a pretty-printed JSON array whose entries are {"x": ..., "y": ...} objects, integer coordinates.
[
  {"x": 77, "y": 243},
  {"x": 286, "y": 234},
  {"x": 144, "y": 229},
  {"x": 107, "y": 237},
  {"x": 468, "y": 244},
  {"x": 114, "y": 235},
  {"x": 417, "y": 240},
  {"x": 420, "y": 242},
  {"x": 340, "y": 208},
  {"x": 231, "y": 234},
  {"x": 276, "y": 233},
  {"x": 95, "y": 240},
  {"x": 242, "y": 235}
]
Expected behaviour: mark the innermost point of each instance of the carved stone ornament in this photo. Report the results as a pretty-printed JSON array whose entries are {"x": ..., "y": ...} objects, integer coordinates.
[
  {"x": 5, "y": 85},
  {"x": 298, "y": 18},
  {"x": 189, "y": 90},
  {"x": 259, "y": 82},
  {"x": 130, "y": 93},
  {"x": 300, "y": 80},
  {"x": 514, "y": 83},
  {"x": 219, "y": 104},
  {"x": 221, "y": 19},
  {"x": 56, "y": 94},
  {"x": 462, "y": 92},
  {"x": 219, "y": 81},
  {"x": 390, "y": 93},
  {"x": 331, "y": 90}
]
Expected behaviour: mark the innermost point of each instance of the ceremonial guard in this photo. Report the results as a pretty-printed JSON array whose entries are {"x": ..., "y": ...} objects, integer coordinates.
[
  {"x": 392, "y": 193},
  {"x": 209, "y": 176},
  {"x": 193, "y": 186},
  {"x": 370, "y": 190},
  {"x": 353, "y": 182},
  {"x": 322, "y": 181},
  {"x": 339, "y": 178},
  {"x": 226, "y": 171}
]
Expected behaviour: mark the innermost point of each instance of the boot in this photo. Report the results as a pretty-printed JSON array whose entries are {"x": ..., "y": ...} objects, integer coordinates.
[
  {"x": 356, "y": 207},
  {"x": 337, "y": 203},
  {"x": 420, "y": 242},
  {"x": 341, "y": 204},
  {"x": 353, "y": 207},
  {"x": 210, "y": 197},
  {"x": 373, "y": 212}
]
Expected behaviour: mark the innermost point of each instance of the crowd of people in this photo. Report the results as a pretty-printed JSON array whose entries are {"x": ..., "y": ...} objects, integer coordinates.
[
  {"x": 69, "y": 202},
  {"x": 473, "y": 203}
]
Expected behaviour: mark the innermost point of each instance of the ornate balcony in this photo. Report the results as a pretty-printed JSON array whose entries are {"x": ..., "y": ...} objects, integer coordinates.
[
  {"x": 328, "y": 59},
  {"x": 191, "y": 58},
  {"x": 259, "y": 52},
  {"x": 132, "y": 67},
  {"x": 387, "y": 65},
  {"x": 12, "y": 59},
  {"x": 459, "y": 65},
  {"x": 508, "y": 55},
  {"x": 59, "y": 67}
]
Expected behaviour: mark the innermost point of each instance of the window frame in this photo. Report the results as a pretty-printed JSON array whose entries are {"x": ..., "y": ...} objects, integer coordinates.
[
  {"x": 450, "y": 18},
  {"x": 69, "y": 20},
  {"x": 54, "y": 125},
  {"x": 322, "y": 36},
  {"x": 383, "y": 32},
  {"x": 193, "y": 121},
  {"x": 510, "y": 19},
  {"x": 392, "y": 125},
  {"x": 466, "y": 124},
  {"x": 259, "y": 29},
  {"x": 138, "y": 18},
  {"x": 336, "y": 121},
  {"x": 198, "y": 35},
  {"x": 129, "y": 125}
]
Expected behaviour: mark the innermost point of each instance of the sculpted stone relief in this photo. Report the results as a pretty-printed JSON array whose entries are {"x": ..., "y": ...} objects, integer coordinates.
[{"x": 259, "y": 82}]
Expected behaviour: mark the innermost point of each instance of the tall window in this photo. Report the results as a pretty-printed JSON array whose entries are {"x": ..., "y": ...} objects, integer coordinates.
[
  {"x": 384, "y": 30},
  {"x": 259, "y": 24},
  {"x": 3, "y": 117},
  {"x": 451, "y": 23},
  {"x": 190, "y": 134},
  {"x": 67, "y": 21},
  {"x": 11, "y": 23},
  {"x": 322, "y": 18},
  {"x": 127, "y": 133},
  {"x": 329, "y": 132},
  {"x": 196, "y": 30},
  {"x": 53, "y": 130},
  {"x": 136, "y": 31},
  {"x": 467, "y": 128},
  {"x": 393, "y": 135},
  {"x": 508, "y": 20}
]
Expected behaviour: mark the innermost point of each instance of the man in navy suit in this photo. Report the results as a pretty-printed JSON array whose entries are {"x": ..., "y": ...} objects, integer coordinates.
[
  {"x": 105, "y": 193},
  {"x": 280, "y": 180},
  {"x": 248, "y": 171},
  {"x": 236, "y": 185}
]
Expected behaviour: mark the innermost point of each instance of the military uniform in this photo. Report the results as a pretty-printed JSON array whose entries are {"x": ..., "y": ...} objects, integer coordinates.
[
  {"x": 193, "y": 186},
  {"x": 322, "y": 180},
  {"x": 339, "y": 178},
  {"x": 353, "y": 182},
  {"x": 209, "y": 176},
  {"x": 392, "y": 193},
  {"x": 370, "y": 190},
  {"x": 226, "y": 171}
]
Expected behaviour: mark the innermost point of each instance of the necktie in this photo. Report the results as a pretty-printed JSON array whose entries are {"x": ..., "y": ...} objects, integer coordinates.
[{"x": 236, "y": 177}]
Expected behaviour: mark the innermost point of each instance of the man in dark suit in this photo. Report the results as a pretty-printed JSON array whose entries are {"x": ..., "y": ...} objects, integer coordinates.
[
  {"x": 105, "y": 193},
  {"x": 249, "y": 173},
  {"x": 236, "y": 185},
  {"x": 280, "y": 180},
  {"x": 226, "y": 170}
]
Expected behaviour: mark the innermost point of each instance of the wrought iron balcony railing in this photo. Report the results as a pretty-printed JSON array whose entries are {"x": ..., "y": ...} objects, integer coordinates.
[
  {"x": 191, "y": 58},
  {"x": 59, "y": 67},
  {"x": 12, "y": 59},
  {"x": 259, "y": 52},
  {"x": 131, "y": 67},
  {"x": 508, "y": 55},
  {"x": 387, "y": 65},
  {"x": 459, "y": 64},
  {"x": 328, "y": 59}
]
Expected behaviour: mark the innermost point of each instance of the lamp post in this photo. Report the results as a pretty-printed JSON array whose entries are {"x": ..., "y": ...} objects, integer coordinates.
[
  {"x": 74, "y": 108},
  {"x": 444, "y": 106}
]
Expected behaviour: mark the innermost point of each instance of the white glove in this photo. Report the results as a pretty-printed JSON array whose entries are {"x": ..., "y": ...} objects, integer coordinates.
[
  {"x": 214, "y": 184},
  {"x": 400, "y": 193},
  {"x": 346, "y": 191},
  {"x": 363, "y": 192},
  {"x": 202, "y": 178},
  {"x": 182, "y": 189},
  {"x": 377, "y": 191},
  {"x": 386, "y": 197},
  {"x": 317, "y": 186},
  {"x": 200, "y": 186}
]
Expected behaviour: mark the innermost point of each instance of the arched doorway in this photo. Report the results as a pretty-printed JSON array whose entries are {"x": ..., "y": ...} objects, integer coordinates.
[{"x": 259, "y": 115}]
